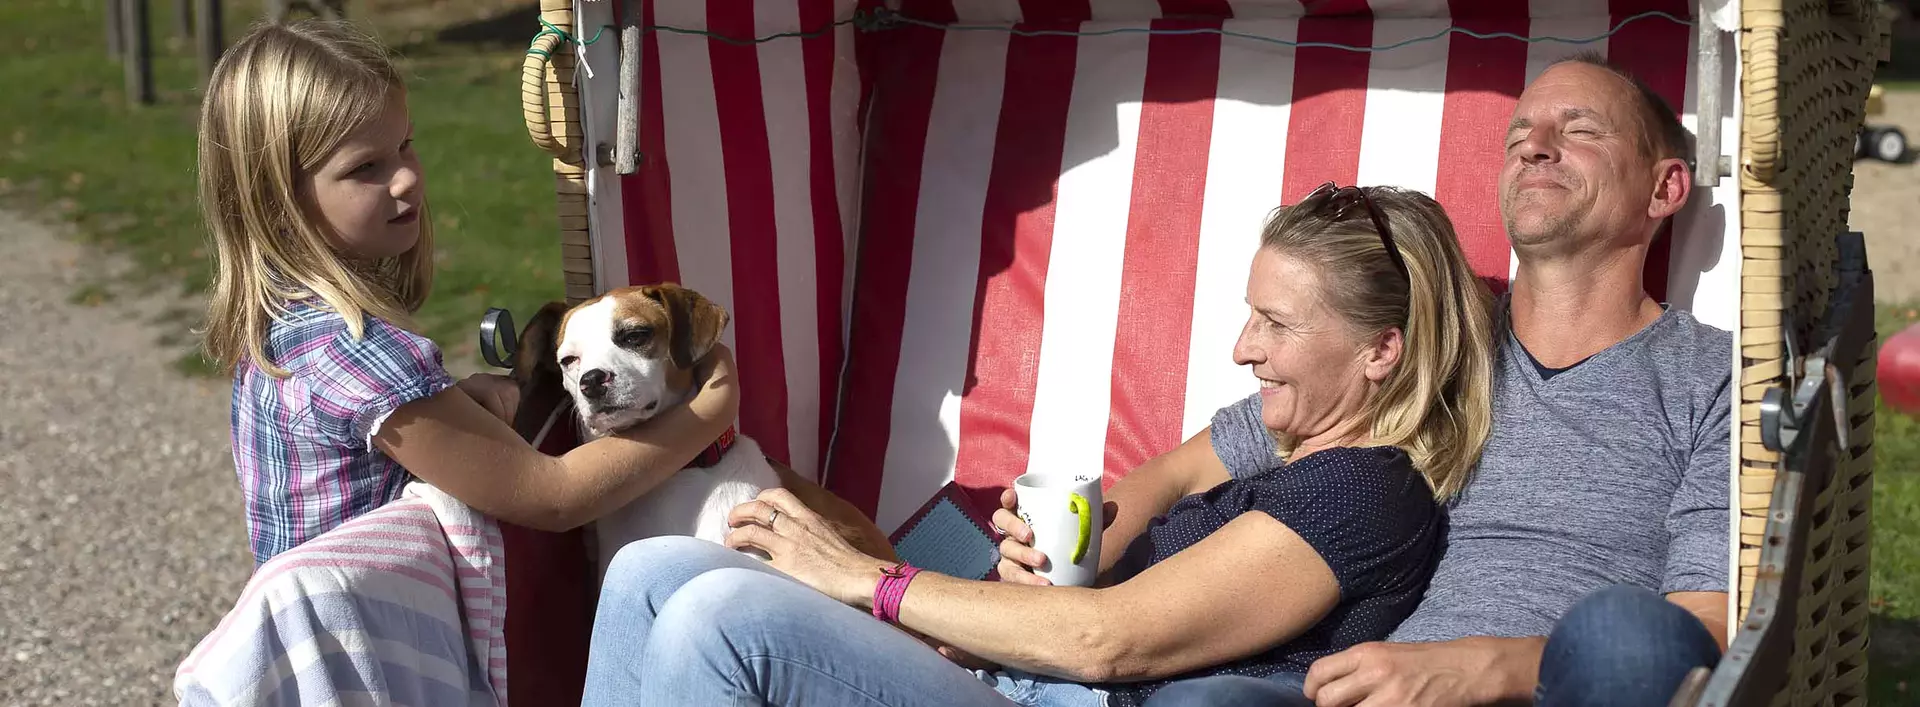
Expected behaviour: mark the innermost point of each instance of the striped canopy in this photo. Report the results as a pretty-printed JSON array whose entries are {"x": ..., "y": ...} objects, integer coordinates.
[{"x": 1002, "y": 235}]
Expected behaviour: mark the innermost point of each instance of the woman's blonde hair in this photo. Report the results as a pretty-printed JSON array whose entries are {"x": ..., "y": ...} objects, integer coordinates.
[
  {"x": 281, "y": 100},
  {"x": 1437, "y": 403}
]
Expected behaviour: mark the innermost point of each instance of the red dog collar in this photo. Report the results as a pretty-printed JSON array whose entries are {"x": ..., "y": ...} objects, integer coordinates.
[{"x": 712, "y": 454}]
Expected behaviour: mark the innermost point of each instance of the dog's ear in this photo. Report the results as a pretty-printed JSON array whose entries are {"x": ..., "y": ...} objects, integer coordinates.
[
  {"x": 694, "y": 322},
  {"x": 539, "y": 345},
  {"x": 536, "y": 367}
]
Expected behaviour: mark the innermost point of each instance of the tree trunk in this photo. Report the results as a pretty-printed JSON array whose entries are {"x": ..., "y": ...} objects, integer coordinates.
[
  {"x": 116, "y": 35},
  {"x": 183, "y": 18},
  {"x": 209, "y": 43},
  {"x": 139, "y": 52}
]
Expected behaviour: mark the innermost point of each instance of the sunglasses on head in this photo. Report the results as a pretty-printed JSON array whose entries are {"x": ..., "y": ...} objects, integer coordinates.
[{"x": 1342, "y": 198}]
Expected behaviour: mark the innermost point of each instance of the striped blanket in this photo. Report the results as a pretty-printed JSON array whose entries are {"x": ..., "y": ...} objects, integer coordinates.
[{"x": 402, "y": 606}]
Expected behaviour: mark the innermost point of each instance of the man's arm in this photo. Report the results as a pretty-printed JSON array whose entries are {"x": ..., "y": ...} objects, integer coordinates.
[
  {"x": 1479, "y": 670},
  {"x": 1697, "y": 519},
  {"x": 1709, "y": 607}
]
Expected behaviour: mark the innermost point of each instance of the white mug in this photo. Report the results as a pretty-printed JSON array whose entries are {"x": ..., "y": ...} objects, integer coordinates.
[{"x": 1065, "y": 513}]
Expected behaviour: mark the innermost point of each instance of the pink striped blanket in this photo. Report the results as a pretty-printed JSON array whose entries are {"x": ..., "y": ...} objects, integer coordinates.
[{"x": 402, "y": 606}]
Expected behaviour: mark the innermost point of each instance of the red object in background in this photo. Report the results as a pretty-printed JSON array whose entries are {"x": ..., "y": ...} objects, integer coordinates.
[{"x": 1899, "y": 371}]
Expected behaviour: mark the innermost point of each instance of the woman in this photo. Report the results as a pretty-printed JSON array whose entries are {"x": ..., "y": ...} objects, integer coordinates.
[{"x": 1304, "y": 521}]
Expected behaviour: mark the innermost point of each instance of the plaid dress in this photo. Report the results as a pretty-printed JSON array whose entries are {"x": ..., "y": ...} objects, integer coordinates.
[{"x": 303, "y": 445}]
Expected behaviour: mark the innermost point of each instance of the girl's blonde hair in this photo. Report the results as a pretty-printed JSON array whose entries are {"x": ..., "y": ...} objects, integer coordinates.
[
  {"x": 1437, "y": 404},
  {"x": 281, "y": 100}
]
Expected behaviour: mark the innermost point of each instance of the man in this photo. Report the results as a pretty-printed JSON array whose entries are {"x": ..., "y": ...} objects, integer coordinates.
[{"x": 1587, "y": 558}]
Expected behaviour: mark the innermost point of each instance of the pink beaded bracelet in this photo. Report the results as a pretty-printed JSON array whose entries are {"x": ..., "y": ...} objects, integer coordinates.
[{"x": 891, "y": 588}]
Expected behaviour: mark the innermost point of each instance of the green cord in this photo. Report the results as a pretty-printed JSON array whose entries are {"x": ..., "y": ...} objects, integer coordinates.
[
  {"x": 548, "y": 28},
  {"x": 896, "y": 18},
  {"x": 883, "y": 19},
  {"x": 855, "y": 20}
]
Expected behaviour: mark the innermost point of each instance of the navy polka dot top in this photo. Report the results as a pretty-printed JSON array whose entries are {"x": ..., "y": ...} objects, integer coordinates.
[{"x": 1366, "y": 511}]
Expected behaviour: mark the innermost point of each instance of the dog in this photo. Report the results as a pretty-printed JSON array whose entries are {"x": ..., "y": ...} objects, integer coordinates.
[{"x": 629, "y": 355}]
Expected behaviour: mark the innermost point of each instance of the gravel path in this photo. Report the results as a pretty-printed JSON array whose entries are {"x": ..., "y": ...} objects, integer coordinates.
[
  {"x": 123, "y": 541},
  {"x": 1886, "y": 206}
]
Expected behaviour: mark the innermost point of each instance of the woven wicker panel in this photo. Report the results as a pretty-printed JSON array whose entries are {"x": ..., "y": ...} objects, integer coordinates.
[
  {"x": 1852, "y": 530},
  {"x": 552, "y": 105},
  {"x": 1807, "y": 69}
]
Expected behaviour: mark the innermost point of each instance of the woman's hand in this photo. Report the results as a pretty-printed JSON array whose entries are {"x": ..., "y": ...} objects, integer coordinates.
[
  {"x": 1017, "y": 555},
  {"x": 805, "y": 546},
  {"x": 500, "y": 395}
]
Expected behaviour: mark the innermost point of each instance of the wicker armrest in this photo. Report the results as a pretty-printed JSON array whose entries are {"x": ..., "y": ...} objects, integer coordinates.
[{"x": 1805, "y": 628}]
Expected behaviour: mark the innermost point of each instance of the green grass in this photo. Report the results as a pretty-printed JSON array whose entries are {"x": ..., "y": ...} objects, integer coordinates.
[
  {"x": 1894, "y": 634},
  {"x": 72, "y": 148}
]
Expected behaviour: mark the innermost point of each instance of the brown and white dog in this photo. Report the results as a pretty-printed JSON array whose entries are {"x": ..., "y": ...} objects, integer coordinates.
[{"x": 628, "y": 355}]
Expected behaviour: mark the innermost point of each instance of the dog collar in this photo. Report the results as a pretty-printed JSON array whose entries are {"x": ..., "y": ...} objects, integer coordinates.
[{"x": 712, "y": 454}]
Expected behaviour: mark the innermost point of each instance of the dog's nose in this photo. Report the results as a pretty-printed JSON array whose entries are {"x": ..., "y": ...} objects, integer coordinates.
[{"x": 594, "y": 383}]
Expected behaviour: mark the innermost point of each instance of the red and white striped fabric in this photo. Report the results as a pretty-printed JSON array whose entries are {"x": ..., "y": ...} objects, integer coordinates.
[{"x": 1053, "y": 232}]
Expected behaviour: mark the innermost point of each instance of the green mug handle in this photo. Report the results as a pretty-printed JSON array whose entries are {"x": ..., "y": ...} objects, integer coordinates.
[{"x": 1077, "y": 504}]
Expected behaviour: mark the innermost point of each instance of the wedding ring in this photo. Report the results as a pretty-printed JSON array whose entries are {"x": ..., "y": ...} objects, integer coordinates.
[{"x": 775, "y": 518}]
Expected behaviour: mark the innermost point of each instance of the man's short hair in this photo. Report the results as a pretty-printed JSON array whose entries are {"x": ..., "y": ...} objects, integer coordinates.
[{"x": 1665, "y": 137}]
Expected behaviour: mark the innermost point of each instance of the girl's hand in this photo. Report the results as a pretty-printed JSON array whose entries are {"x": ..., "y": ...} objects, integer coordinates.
[
  {"x": 716, "y": 371},
  {"x": 500, "y": 395},
  {"x": 718, "y": 395},
  {"x": 805, "y": 546}
]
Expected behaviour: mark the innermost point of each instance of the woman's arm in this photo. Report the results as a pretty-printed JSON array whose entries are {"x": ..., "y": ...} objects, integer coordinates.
[
  {"x": 1151, "y": 490},
  {"x": 452, "y": 442},
  {"x": 1136, "y": 499},
  {"x": 1251, "y": 585}
]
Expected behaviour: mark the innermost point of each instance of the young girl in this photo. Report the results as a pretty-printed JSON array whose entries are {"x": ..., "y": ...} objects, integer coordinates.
[{"x": 316, "y": 201}]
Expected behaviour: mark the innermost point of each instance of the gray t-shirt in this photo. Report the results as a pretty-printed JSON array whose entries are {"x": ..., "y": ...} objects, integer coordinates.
[{"x": 1611, "y": 472}]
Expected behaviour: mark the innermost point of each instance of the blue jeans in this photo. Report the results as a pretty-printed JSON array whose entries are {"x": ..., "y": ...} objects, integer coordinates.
[
  {"x": 688, "y": 622},
  {"x": 1617, "y": 646},
  {"x": 1622, "y": 645},
  {"x": 1279, "y": 690}
]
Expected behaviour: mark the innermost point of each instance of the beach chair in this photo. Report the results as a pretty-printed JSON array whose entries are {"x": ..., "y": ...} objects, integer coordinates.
[{"x": 965, "y": 238}]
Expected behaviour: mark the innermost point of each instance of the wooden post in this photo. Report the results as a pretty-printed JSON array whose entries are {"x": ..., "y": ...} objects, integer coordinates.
[
  {"x": 116, "y": 35},
  {"x": 183, "y": 18},
  {"x": 209, "y": 43},
  {"x": 139, "y": 52}
]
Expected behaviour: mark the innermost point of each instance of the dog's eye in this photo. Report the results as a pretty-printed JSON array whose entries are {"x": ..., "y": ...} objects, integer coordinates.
[
  {"x": 568, "y": 361},
  {"x": 635, "y": 337}
]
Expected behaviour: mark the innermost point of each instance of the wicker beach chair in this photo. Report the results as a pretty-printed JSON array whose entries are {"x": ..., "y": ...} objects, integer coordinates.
[{"x": 952, "y": 231}]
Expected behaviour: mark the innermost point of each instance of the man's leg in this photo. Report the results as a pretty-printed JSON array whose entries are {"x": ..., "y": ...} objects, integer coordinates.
[
  {"x": 1622, "y": 646},
  {"x": 743, "y": 637},
  {"x": 640, "y": 580},
  {"x": 1282, "y": 690}
]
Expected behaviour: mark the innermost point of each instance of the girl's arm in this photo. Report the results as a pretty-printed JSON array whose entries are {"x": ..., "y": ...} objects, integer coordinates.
[
  {"x": 450, "y": 441},
  {"x": 1251, "y": 585}
]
